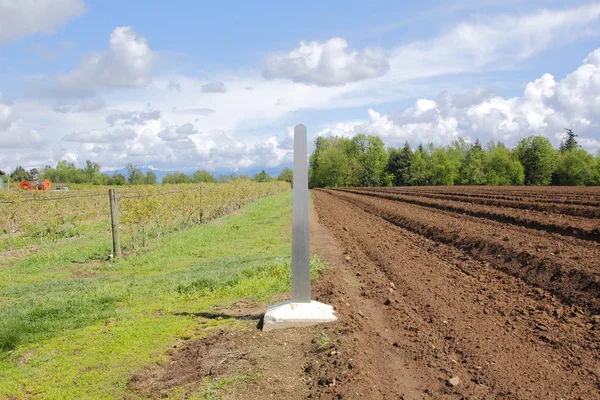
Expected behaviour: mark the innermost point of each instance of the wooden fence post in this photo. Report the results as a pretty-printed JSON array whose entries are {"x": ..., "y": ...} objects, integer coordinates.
[{"x": 114, "y": 217}]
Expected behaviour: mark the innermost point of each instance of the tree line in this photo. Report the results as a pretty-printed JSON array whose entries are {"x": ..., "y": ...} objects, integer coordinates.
[
  {"x": 364, "y": 161},
  {"x": 66, "y": 172}
]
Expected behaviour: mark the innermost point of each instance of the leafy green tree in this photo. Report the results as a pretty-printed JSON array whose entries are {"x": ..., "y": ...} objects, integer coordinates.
[
  {"x": 91, "y": 169},
  {"x": 117, "y": 179},
  {"x": 332, "y": 170},
  {"x": 134, "y": 175},
  {"x": 19, "y": 174},
  {"x": 538, "y": 158},
  {"x": 203, "y": 176},
  {"x": 262, "y": 176},
  {"x": 286, "y": 175},
  {"x": 314, "y": 163},
  {"x": 596, "y": 170},
  {"x": 443, "y": 170},
  {"x": 374, "y": 159},
  {"x": 472, "y": 168},
  {"x": 575, "y": 168},
  {"x": 500, "y": 167},
  {"x": 419, "y": 172},
  {"x": 149, "y": 178},
  {"x": 176, "y": 178}
]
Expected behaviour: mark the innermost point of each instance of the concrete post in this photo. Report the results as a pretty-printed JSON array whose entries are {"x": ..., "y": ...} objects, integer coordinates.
[
  {"x": 300, "y": 311},
  {"x": 300, "y": 240}
]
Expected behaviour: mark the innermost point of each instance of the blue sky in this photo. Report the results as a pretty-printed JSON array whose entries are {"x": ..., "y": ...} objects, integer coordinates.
[{"x": 185, "y": 84}]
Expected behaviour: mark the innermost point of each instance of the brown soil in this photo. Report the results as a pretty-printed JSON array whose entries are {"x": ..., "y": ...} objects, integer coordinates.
[
  {"x": 568, "y": 267},
  {"x": 543, "y": 204},
  {"x": 580, "y": 227},
  {"x": 413, "y": 313}
]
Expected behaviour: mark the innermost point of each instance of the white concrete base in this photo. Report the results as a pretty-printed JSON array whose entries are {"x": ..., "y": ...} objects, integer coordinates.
[{"x": 288, "y": 314}]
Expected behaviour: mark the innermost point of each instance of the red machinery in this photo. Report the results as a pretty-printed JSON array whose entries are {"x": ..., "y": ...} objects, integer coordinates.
[{"x": 35, "y": 185}]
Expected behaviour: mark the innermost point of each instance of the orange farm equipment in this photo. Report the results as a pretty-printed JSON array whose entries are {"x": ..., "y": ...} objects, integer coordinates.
[{"x": 35, "y": 185}]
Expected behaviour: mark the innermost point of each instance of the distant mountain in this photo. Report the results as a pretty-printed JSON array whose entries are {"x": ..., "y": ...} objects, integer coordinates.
[{"x": 160, "y": 174}]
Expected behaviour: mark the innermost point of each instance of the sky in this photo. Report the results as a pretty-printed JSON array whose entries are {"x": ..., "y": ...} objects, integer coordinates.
[{"x": 188, "y": 84}]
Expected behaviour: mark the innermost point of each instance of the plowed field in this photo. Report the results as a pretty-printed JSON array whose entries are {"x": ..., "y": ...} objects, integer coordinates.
[{"x": 499, "y": 287}]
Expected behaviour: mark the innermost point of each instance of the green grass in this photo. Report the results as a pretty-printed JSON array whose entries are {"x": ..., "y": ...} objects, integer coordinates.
[{"x": 75, "y": 327}]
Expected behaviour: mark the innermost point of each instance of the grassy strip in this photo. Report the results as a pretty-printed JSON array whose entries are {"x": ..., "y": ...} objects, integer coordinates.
[{"x": 63, "y": 336}]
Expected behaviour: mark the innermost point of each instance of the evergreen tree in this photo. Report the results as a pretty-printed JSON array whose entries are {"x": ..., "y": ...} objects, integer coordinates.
[
  {"x": 569, "y": 143},
  {"x": 399, "y": 164}
]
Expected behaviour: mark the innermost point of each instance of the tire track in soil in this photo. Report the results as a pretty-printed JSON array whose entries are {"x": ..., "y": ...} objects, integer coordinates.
[{"x": 445, "y": 315}]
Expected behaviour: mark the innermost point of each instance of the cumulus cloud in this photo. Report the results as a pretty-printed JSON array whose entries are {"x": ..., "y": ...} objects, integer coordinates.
[
  {"x": 496, "y": 42},
  {"x": 23, "y": 18},
  {"x": 214, "y": 87},
  {"x": 235, "y": 135},
  {"x": 133, "y": 118},
  {"x": 182, "y": 132},
  {"x": 546, "y": 107},
  {"x": 127, "y": 63},
  {"x": 85, "y": 105},
  {"x": 20, "y": 137},
  {"x": 101, "y": 136},
  {"x": 14, "y": 134},
  {"x": 327, "y": 64}
]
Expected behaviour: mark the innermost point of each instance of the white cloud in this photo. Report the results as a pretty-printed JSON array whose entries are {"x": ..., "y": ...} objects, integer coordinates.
[
  {"x": 545, "y": 108},
  {"x": 101, "y": 136},
  {"x": 327, "y": 64},
  {"x": 85, "y": 105},
  {"x": 127, "y": 63},
  {"x": 23, "y": 18},
  {"x": 485, "y": 44},
  {"x": 182, "y": 132},
  {"x": 133, "y": 117},
  {"x": 213, "y": 87},
  {"x": 194, "y": 111},
  {"x": 18, "y": 137},
  {"x": 248, "y": 127}
]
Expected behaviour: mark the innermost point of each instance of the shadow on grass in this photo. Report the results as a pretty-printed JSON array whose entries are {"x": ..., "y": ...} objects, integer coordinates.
[{"x": 220, "y": 316}]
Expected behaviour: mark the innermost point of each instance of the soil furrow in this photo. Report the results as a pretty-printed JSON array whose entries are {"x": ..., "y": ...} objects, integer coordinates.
[
  {"x": 446, "y": 314},
  {"x": 579, "y": 227},
  {"x": 568, "y": 267},
  {"x": 587, "y": 211},
  {"x": 541, "y": 198}
]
